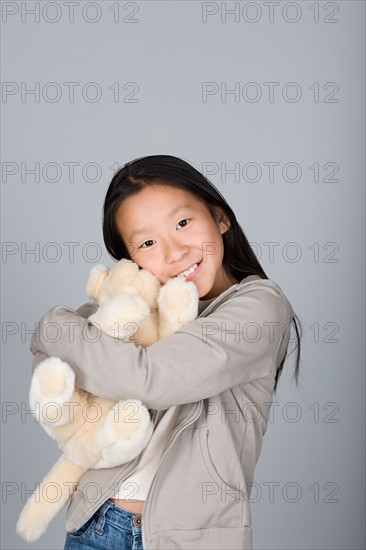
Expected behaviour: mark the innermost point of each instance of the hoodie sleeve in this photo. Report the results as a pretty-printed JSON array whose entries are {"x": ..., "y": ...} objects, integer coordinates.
[{"x": 237, "y": 343}]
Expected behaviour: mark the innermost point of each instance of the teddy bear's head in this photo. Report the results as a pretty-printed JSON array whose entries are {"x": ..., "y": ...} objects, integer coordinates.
[{"x": 124, "y": 278}]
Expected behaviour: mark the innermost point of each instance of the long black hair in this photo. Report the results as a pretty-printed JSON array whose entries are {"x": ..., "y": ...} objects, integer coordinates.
[{"x": 239, "y": 259}]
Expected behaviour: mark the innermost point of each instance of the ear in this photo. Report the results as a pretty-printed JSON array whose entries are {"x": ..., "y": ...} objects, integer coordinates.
[
  {"x": 97, "y": 274},
  {"x": 222, "y": 219}
]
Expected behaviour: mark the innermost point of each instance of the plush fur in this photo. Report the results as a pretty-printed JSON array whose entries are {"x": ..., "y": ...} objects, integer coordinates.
[{"x": 90, "y": 431}]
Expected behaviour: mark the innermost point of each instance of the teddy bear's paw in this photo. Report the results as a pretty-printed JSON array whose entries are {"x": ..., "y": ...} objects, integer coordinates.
[
  {"x": 178, "y": 300},
  {"x": 53, "y": 382},
  {"x": 148, "y": 286},
  {"x": 31, "y": 524},
  {"x": 121, "y": 316},
  {"x": 29, "y": 531},
  {"x": 124, "y": 433}
]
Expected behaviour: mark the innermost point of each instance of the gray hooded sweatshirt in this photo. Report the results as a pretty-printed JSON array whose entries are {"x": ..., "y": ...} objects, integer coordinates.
[{"x": 220, "y": 368}]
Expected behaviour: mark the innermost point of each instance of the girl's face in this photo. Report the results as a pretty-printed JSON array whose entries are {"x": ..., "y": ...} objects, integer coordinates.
[{"x": 167, "y": 230}]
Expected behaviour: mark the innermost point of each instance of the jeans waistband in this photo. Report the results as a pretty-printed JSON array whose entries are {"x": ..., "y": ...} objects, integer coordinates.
[{"x": 116, "y": 514}]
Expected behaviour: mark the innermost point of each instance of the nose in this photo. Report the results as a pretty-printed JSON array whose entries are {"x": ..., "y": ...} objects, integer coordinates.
[{"x": 174, "y": 251}]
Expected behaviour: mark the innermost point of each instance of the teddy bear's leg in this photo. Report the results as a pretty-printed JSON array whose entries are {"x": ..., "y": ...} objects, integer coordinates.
[
  {"x": 48, "y": 499},
  {"x": 52, "y": 385},
  {"x": 124, "y": 433},
  {"x": 178, "y": 305}
]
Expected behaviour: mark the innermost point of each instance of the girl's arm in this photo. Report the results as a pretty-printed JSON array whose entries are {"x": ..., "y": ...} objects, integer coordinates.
[{"x": 237, "y": 343}]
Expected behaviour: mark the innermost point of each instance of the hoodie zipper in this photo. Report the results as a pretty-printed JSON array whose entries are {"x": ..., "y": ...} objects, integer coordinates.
[{"x": 161, "y": 460}]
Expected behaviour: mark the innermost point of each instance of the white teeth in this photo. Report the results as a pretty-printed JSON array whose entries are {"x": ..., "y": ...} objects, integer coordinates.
[{"x": 188, "y": 271}]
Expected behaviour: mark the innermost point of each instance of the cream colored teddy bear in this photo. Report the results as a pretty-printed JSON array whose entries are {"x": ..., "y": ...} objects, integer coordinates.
[{"x": 93, "y": 432}]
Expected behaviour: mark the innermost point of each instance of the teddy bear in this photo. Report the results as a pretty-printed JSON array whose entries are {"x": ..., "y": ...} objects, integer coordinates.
[{"x": 93, "y": 432}]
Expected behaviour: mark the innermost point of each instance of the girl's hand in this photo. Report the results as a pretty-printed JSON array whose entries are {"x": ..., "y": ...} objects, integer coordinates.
[{"x": 85, "y": 310}]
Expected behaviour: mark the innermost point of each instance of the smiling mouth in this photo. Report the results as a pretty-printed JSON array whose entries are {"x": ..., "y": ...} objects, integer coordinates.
[{"x": 188, "y": 271}]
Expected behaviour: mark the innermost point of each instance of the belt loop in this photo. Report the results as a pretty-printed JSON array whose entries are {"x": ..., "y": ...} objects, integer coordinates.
[{"x": 99, "y": 516}]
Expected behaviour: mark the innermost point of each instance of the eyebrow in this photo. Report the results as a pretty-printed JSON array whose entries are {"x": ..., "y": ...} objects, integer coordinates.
[{"x": 170, "y": 215}]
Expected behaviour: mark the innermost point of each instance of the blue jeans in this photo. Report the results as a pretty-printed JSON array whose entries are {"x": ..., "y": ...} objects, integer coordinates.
[{"x": 111, "y": 527}]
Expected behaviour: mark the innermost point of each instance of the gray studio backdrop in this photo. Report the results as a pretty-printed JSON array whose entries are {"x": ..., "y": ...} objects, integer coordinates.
[{"x": 266, "y": 99}]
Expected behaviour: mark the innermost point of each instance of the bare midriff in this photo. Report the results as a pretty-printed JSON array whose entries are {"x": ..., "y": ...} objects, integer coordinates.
[{"x": 134, "y": 506}]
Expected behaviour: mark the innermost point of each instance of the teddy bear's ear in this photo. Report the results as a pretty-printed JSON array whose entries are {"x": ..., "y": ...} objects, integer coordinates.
[{"x": 97, "y": 274}]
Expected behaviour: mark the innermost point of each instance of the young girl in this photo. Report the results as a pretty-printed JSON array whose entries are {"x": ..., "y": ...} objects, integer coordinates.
[{"x": 208, "y": 386}]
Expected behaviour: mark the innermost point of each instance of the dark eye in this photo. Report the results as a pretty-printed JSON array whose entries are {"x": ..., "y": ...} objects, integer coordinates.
[
  {"x": 185, "y": 220},
  {"x": 142, "y": 246}
]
